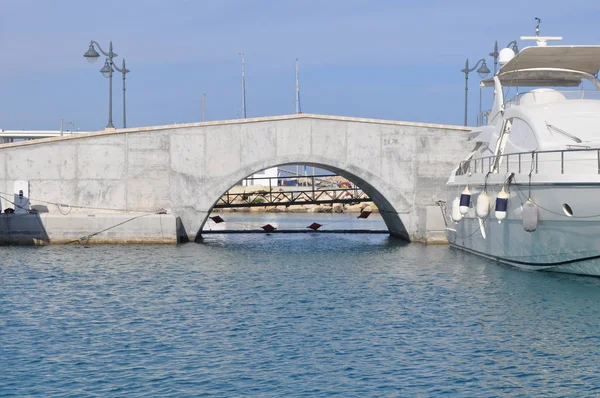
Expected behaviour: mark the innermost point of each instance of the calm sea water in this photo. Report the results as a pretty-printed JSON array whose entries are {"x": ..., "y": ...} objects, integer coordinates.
[{"x": 291, "y": 315}]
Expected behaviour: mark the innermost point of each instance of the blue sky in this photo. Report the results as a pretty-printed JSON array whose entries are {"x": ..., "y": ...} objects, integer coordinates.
[{"x": 386, "y": 59}]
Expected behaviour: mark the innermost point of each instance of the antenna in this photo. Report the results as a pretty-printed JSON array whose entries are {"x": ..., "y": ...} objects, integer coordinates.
[
  {"x": 298, "y": 109},
  {"x": 541, "y": 41},
  {"x": 203, "y": 105},
  {"x": 243, "y": 88}
]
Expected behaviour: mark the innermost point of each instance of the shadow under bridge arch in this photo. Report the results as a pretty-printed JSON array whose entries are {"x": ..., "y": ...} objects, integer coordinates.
[{"x": 391, "y": 202}]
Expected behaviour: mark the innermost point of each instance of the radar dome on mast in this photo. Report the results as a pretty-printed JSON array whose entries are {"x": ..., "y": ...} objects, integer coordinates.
[{"x": 505, "y": 55}]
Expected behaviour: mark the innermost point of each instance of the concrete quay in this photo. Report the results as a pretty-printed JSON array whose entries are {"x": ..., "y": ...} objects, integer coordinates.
[
  {"x": 185, "y": 169},
  {"x": 46, "y": 228}
]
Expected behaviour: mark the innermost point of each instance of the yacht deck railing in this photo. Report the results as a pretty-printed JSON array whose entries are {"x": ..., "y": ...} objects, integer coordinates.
[{"x": 560, "y": 161}]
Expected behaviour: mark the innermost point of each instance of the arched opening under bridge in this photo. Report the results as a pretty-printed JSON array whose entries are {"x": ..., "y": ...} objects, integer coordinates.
[{"x": 387, "y": 198}]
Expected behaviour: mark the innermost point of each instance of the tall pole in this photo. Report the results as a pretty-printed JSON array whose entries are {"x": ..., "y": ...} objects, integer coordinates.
[
  {"x": 124, "y": 71},
  {"x": 466, "y": 87},
  {"x": 297, "y": 90},
  {"x": 243, "y": 88},
  {"x": 110, "y": 74},
  {"x": 203, "y": 105},
  {"x": 495, "y": 56},
  {"x": 480, "y": 117},
  {"x": 110, "y": 121}
]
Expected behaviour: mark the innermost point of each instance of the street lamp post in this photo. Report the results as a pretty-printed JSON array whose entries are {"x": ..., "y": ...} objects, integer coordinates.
[
  {"x": 107, "y": 71},
  {"x": 483, "y": 72},
  {"x": 496, "y": 54},
  {"x": 123, "y": 71}
]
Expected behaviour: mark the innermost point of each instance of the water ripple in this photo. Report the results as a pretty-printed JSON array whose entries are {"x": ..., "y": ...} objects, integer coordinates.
[{"x": 284, "y": 315}]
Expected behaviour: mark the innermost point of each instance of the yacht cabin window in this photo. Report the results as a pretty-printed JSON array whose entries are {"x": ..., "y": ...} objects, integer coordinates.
[{"x": 521, "y": 137}]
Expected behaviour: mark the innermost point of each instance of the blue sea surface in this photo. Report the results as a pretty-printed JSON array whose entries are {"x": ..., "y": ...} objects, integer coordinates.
[{"x": 306, "y": 315}]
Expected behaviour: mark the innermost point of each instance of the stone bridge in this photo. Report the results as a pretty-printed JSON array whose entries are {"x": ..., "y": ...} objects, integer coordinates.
[{"x": 185, "y": 168}]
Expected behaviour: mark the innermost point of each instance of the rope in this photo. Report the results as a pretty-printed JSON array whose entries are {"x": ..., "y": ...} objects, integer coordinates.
[
  {"x": 86, "y": 207},
  {"x": 530, "y": 172},
  {"x": 64, "y": 214},
  {"x": 88, "y": 237},
  {"x": 14, "y": 204},
  {"x": 162, "y": 233}
]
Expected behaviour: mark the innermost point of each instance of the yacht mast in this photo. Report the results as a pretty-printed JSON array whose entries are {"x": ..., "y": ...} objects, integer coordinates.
[{"x": 243, "y": 88}]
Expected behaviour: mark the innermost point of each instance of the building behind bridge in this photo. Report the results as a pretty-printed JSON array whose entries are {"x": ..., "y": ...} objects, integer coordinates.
[{"x": 8, "y": 136}]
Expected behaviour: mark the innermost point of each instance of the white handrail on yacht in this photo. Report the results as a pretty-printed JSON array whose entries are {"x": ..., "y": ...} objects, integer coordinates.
[
  {"x": 478, "y": 165},
  {"x": 564, "y": 133}
]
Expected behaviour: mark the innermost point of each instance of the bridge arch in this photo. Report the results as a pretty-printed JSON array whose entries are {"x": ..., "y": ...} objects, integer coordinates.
[{"x": 376, "y": 188}]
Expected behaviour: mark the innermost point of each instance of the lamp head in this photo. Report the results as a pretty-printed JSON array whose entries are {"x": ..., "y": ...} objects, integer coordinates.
[
  {"x": 106, "y": 69},
  {"x": 91, "y": 54},
  {"x": 483, "y": 70}
]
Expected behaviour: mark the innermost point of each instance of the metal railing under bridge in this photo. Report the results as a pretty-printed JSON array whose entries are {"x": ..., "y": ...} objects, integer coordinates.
[{"x": 308, "y": 190}]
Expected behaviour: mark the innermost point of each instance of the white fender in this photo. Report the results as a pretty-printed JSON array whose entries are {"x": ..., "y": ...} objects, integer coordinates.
[
  {"x": 465, "y": 201},
  {"x": 483, "y": 205},
  {"x": 501, "y": 205},
  {"x": 530, "y": 216},
  {"x": 456, "y": 216}
]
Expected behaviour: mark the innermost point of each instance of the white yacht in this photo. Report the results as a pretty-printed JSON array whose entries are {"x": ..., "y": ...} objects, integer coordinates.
[{"x": 529, "y": 192}]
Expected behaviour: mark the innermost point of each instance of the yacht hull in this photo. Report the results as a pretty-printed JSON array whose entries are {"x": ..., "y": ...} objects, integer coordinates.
[{"x": 562, "y": 242}]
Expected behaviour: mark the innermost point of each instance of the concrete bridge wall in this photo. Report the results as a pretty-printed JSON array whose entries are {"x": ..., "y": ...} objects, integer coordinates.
[{"x": 186, "y": 168}]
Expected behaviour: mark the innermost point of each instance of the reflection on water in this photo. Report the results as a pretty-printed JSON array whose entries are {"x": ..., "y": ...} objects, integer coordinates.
[{"x": 291, "y": 315}]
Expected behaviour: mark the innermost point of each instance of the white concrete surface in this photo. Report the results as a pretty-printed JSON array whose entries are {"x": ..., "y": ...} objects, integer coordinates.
[
  {"x": 403, "y": 166},
  {"x": 46, "y": 228}
]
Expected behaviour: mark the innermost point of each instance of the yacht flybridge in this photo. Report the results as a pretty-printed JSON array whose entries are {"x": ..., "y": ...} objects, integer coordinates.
[{"x": 528, "y": 193}]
